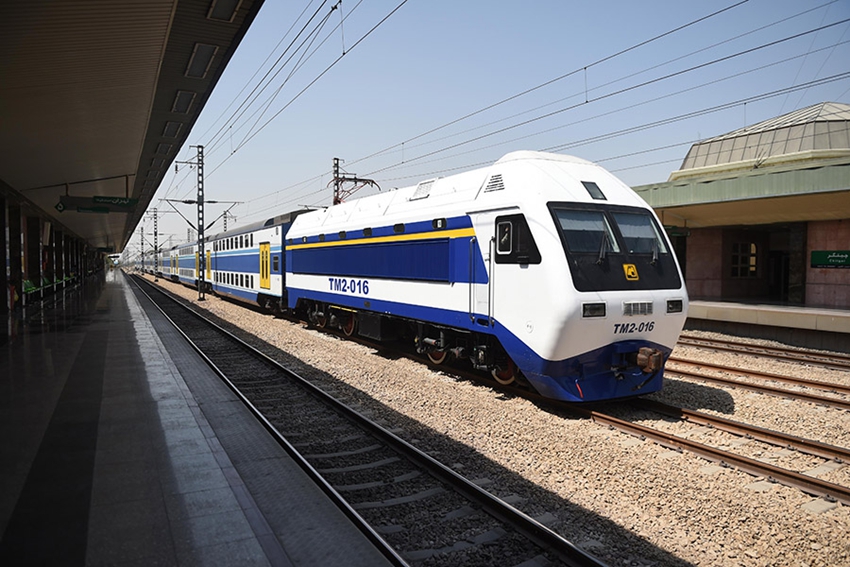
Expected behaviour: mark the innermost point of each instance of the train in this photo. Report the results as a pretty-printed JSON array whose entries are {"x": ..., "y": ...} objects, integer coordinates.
[{"x": 541, "y": 269}]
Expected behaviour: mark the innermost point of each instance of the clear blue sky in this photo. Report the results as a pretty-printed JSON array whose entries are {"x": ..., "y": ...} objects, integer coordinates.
[{"x": 434, "y": 61}]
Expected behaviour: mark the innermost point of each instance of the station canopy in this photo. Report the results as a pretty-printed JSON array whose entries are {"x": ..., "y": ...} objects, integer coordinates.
[
  {"x": 792, "y": 168},
  {"x": 96, "y": 99},
  {"x": 818, "y": 131}
]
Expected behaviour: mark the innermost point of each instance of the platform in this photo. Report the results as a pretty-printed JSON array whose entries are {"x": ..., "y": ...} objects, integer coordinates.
[
  {"x": 121, "y": 447},
  {"x": 796, "y": 325}
]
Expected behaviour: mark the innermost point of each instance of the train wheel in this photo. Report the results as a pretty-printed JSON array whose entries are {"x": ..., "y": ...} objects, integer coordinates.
[
  {"x": 322, "y": 321},
  {"x": 505, "y": 376},
  {"x": 350, "y": 325},
  {"x": 438, "y": 357}
]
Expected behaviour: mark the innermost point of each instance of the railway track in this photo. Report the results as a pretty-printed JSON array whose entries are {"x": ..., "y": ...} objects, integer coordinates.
[
  {"x": 784, "y": 440},
  {"x": 799, "y": 480},
  {"x": 833, "y": 360},
  {"x": 841, "y": 403},
  {"x": 414, "y": 508},
  {"x": 808, "y": 484},
  {"x": 602, "y": 414}
]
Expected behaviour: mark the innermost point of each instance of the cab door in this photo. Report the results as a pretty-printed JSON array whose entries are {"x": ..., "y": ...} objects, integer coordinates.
[{"x": 265, "y": 266}]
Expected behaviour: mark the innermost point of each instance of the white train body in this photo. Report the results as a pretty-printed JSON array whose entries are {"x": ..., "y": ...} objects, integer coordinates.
[
  {"x": 543, "y": 263},
  {"x": 542, "y": 267}
]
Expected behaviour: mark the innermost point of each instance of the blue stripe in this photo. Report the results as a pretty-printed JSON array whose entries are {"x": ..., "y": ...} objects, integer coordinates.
[
  {"x": 560, "y": 379},
  {"x": 446, "y": 317},
  {"x": 437, "y": 260},
  {"x": 417, "y": 260}
]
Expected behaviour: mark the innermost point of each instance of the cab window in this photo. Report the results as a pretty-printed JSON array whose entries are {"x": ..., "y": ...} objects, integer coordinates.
[{"x": 514, "y": 242}]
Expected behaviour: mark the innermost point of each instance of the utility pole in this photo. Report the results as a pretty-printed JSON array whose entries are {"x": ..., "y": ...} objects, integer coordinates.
[
  {"x": 155, "y": 246},
  {"x": 341, "y": 194},
  {"x": 202, "y": 257}
]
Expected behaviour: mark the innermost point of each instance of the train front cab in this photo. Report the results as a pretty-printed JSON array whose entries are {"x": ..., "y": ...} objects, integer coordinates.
[{"x": 630, "y": 304}]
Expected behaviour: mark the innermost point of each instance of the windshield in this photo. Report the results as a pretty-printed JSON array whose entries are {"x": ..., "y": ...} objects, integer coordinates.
[
  {"x": 586, "y": 231},
  {"x": 639, "y": 233},
  {"x": 614, "y": 247}
]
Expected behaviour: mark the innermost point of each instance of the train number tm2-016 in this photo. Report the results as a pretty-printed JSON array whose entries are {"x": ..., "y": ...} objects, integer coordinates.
[
  {"x": 626, "y": 328},
  {"x": 344, "y": 285}
]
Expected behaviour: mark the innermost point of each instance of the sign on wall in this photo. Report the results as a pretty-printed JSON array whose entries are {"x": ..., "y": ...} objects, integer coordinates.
[{"x": 831, "y": 258}]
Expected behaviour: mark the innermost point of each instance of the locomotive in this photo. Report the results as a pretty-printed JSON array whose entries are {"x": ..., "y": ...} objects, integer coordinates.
[{"x": 543, "y": 269}]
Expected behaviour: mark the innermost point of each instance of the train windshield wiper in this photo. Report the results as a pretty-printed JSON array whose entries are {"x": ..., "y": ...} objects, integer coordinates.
[
  {"x": 654, "y": 251},
  {"x": 602, "y": 247}
]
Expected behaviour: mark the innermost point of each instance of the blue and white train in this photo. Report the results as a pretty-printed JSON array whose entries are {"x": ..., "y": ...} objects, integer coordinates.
[{"x": 541, "y": 268}]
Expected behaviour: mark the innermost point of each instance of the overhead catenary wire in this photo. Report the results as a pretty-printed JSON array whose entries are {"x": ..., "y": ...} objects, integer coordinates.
[
  {"x": 250, "y": 80},
  {"x": 554, "y": 80},
  {"x": 328, "y": 68},
  {"x": 228, "y": 122},
  {"x": 408, "y": 158},
  {"x": 527, "y": 91},
  {"x": 596, "y": 88},
  {"x": 407, "y": 161},
  {"x": 620, "y": 109},
  {"x": 613, "y": 134},
  {"x": 611, "y": 94}
]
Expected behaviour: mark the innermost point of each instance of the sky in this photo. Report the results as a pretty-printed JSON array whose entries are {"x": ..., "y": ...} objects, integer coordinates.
[{"x": 403, "y": 91}]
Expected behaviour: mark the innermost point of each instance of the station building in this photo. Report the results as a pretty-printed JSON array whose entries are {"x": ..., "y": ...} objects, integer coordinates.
[{"x": 762, "y": 214}]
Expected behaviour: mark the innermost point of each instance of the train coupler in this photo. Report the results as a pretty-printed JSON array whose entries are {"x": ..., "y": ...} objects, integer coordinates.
[{"x": 650, "y": 359}]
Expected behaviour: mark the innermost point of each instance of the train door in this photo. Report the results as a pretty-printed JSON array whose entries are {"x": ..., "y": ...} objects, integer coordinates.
[
  {"x": 481, "y": 273},
  {"x": 507, "y": 248},
  {"x": 209, "y": 265},
  {"x": 265, "y": 262}
]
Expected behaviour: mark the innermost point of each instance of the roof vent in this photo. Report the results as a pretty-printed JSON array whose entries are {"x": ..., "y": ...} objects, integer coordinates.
[
  {"x": 495, "y": 183},
  {"x": 422, "y": 190}
]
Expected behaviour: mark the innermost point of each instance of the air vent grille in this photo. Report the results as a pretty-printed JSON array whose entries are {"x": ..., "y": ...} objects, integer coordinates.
[
  {"x": 495, "y": 183},
  {"x": 422, "y": 190},
  {"x": 631, "y": 308}
]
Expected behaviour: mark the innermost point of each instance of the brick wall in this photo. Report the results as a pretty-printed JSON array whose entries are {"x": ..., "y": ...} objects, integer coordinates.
[
  {"x": 828, "y": 287},
  {"x": 705, "y": 263}
]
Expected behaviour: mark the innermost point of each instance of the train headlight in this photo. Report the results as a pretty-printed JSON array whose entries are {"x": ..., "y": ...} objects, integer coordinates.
[
  {"x": 674, "y": 305},
  {"x": 593, "y": 310}
]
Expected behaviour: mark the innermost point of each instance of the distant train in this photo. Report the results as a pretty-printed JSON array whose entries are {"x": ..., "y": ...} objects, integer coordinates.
[{"x": 542, "y": 268}]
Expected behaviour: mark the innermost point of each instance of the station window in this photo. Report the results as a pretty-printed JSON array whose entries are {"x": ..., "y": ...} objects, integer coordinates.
[{"x": 744, "y": 260}]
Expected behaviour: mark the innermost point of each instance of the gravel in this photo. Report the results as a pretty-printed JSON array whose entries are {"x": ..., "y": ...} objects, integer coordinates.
[{"x": 627, "y": 501}]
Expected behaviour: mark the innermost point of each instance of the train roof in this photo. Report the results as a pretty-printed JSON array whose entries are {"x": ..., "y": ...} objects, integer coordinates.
[
  {"x": 512, "y": 179},
  {"x": 273, "y": 221}
]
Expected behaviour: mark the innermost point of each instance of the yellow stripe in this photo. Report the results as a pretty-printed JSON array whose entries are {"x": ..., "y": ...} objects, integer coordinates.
[{"x": 456, "y": 233}]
